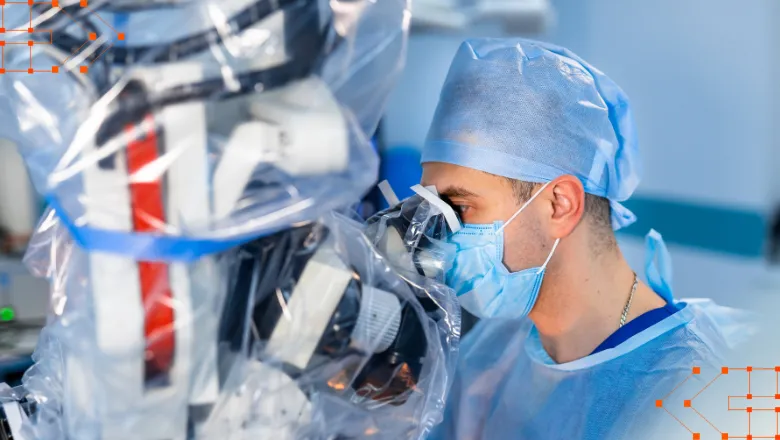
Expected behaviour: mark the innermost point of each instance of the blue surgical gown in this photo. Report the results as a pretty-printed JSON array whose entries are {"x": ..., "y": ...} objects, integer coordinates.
[{"x": 507, "y": 387}]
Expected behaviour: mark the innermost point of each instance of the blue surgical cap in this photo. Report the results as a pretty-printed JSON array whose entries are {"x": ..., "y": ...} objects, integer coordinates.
[{"x": 533, "y": 111}]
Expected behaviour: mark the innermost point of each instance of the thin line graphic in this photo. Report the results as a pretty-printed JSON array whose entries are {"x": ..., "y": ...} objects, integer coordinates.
[
  {"x": 13, "y": 34},
  {"x": 707, "y": 386},
  {"x": 678, "y": 420},
  {"x": 74, "y": 53},
  {"x": 74, "y": 20},
  {"x": 101, "y": 19},
  {"x": 678, "y": 386},
  {"x": 705, "y": 419},
  {"x": 763, "y": 403},
  {"x": 101, "y": 54}
]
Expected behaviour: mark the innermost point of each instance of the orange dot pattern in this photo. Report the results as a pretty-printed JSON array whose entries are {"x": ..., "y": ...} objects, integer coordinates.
[
  {"x": 10, "y": 38},
  {"x": 757, "y": 404}
]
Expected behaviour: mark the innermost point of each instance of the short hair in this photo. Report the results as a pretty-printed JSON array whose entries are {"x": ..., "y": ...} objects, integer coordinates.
[{"x": 597, "y": 212}]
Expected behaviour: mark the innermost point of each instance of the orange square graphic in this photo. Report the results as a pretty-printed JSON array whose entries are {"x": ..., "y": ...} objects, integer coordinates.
[
  {"x": 687, "y": 403},
  {"x": 749, "y": 397},
  {"x": 696, "y": 436},
  {"x": 777, "y": 409},
  {"x": 724, "y": 370},
  {"x": 34, "y": 31},
  {"x": 750, "y": 369},
  {"x": 777, "y": 437},
  {"x": 121, "y": 36},
  {"x": 659, "y": 403},
  {"x": 777, "y": 396},
  {"x": 724, "y": 436},
  {"x": 777, "y": 369},
  {"x": 749, "y": 409},
  {"x": 696, "y": 370}
]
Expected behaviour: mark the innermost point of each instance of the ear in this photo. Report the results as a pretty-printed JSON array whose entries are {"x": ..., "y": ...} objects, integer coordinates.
[{"x": 568, "y": 205}]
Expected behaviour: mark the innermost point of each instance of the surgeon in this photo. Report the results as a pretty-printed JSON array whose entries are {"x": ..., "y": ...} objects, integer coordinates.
[{"x": 535, "y": 148}]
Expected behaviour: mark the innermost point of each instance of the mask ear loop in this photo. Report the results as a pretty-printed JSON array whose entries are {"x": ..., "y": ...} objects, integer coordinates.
[
  {"x": 555, "y": 245},
  {"x": 525, "y": 205},
  {"x": 549, "y": 257}
]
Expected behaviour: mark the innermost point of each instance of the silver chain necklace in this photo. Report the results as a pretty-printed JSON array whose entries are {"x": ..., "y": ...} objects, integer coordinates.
[{"x": 628, "y": 303}]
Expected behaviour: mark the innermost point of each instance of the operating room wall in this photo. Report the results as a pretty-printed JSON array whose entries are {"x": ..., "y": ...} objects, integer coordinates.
[{"x": 702, "y": 78}]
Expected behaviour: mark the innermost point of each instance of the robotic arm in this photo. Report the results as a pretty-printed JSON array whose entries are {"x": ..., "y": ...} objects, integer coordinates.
[{"x": 211, "y": 294}]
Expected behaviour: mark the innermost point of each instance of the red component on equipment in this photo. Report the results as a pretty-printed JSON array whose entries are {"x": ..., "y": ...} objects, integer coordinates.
[{"x": 149, "y": 216}]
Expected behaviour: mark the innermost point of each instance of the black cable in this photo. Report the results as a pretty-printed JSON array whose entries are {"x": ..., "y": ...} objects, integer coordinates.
[
  {"x": 183, "y": 47},
  {"x": 305, "y": 44},
  {"x": 59, "y": 22},
  {"x": 306, "y": 41}
]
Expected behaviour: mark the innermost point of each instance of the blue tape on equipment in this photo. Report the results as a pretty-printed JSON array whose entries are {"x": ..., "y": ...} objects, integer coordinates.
[
  {"x": 148, "y": 247},
  {"x": 121, "y": 20}
]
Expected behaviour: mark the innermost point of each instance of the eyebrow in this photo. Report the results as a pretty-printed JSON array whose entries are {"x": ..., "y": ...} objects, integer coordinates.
[{"x": 456, "y": 191}]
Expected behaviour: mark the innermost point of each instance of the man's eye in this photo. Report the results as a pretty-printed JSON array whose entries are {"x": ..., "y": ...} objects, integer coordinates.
[
  {"x": 461, "y": 209},
  {"x": 457, "y": 207}
]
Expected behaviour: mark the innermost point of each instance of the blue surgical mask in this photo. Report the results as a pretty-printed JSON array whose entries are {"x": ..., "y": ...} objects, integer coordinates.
[{"x": 485, "y": 287}]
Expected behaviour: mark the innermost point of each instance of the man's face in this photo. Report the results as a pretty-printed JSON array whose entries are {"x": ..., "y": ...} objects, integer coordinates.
[{"x": 482, "y": 198}]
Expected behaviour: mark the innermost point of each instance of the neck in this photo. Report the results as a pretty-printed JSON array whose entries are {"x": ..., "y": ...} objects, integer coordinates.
[{"x": 580, "y": 305}]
